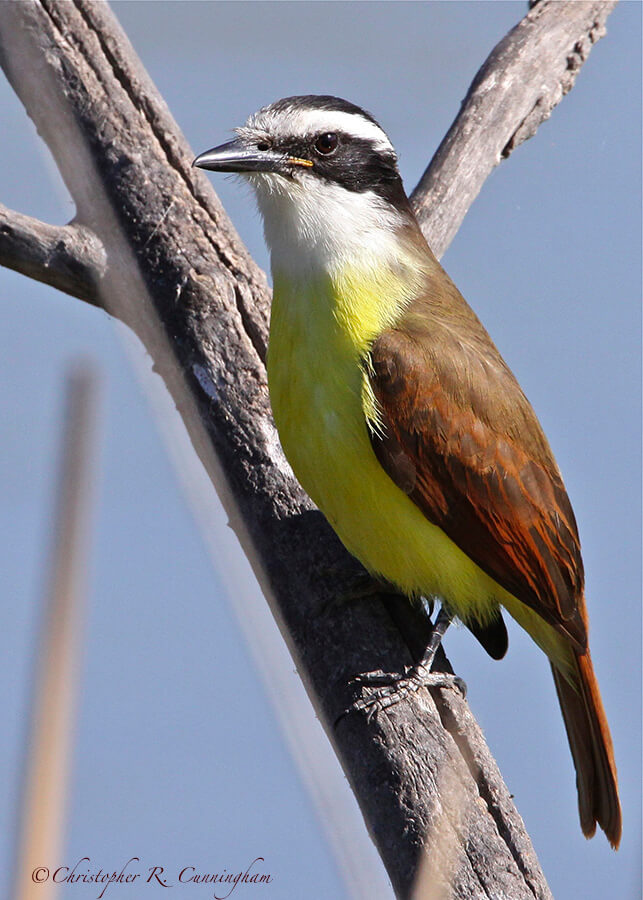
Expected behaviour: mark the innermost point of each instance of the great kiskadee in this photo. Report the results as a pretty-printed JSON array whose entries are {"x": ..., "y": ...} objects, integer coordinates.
[{"x": 399, "y": 416}]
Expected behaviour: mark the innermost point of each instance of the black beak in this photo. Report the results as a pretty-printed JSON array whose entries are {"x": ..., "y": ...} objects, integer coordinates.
[{"x": 241, "y": 156}]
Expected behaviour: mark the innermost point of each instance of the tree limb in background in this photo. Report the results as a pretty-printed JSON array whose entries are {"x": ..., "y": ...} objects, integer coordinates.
[
  {"x": 178, "y": 275},
  {"x": 68, "y": 257},
  {"x": 525, "y": 76}
]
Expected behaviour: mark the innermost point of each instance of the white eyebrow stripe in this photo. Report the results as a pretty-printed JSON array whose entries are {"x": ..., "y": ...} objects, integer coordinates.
[{"x": 311, "y": 121}]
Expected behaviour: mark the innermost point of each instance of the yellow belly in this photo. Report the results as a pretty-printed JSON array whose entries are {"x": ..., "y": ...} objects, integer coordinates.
[{"x": 317, "y": 394}]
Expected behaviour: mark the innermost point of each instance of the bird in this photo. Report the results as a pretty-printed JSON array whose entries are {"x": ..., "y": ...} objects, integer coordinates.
[{"x": 399, "y": 416}]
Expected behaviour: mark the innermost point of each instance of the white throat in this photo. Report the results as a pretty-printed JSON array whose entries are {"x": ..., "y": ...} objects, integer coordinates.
[{"x": 314, "y": 227}]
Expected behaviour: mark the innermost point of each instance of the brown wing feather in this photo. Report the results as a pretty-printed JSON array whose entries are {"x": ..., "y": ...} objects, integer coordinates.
[{"x": 462, "y": 441}]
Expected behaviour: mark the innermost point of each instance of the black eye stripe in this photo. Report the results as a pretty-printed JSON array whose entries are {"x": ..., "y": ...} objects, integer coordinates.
[
  {"x": 356, "y": 165},
  {"x": 347, "y": 144}
]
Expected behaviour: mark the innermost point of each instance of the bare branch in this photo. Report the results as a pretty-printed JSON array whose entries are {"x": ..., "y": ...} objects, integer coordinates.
[
  {"x": 68, "y": 257},
  {"x": 526, "y": 75}
]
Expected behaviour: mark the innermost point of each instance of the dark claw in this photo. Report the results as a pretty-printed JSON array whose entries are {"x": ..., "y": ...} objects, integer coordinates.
[{"x": 391, "y": 689}]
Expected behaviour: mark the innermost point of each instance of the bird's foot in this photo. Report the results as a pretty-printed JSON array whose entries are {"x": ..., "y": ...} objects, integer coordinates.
[{"x": 385, "y": 689}]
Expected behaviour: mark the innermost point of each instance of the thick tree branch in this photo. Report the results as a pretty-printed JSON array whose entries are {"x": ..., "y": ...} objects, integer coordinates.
[
  {"x": 178, "y": 275},
  {"x": 68, "y": 257},
  {"x": 524, "y": 77}
]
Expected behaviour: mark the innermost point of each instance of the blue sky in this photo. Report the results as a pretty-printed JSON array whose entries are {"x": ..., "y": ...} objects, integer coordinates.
[{"x": 180, "y": 757}]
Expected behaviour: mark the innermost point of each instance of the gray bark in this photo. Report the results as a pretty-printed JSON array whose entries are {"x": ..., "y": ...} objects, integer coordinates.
[
  {"x": 525, "y": 76},
  {"x": 68, "y": 257},
  {"x": 169, "y": 264}
]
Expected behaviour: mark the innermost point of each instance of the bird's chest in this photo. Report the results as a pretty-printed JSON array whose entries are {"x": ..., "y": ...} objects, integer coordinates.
[{"x": 316, "y": 383}]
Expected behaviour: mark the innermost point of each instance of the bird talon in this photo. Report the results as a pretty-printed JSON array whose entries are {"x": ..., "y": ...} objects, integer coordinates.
[{"x": 386, "y": 689}]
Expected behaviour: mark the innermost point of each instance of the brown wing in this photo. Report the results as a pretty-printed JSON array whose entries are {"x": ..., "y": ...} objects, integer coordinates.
[{"x": 460, "y": 438}]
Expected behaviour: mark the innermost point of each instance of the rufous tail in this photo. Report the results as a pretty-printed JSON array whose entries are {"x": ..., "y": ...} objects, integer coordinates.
[{"x": 591, "y": 746}]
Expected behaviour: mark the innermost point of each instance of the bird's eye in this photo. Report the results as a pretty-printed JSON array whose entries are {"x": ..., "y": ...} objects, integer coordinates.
[
  {"x": 326, "y": 143},
  {"x": 264, "y": 145}
]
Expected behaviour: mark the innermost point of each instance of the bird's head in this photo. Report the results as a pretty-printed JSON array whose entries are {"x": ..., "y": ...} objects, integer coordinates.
[{"x": 325, "y": 175}]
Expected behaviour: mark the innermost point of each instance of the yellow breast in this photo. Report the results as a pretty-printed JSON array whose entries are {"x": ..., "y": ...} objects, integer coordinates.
[{"x": 320, "y": 331}]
